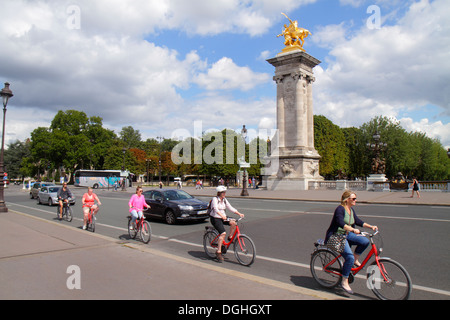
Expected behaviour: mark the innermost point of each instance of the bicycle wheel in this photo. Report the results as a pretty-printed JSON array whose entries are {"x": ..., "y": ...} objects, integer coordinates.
[
  {"x": 145, "y": 232},
  {"x": 131, "y": 229},
  {"x": 91, "y": 224},
  {"x": 69, "y": 215},
  {"x": 244, "y": 250},
  {"x": 208, "y": 244},
  {"x": 330, "y": 277},
  {"x": 390, "y": 281}
]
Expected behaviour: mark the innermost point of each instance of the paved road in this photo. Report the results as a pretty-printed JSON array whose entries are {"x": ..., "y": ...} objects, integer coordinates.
[{"x": 284, "y": 232}]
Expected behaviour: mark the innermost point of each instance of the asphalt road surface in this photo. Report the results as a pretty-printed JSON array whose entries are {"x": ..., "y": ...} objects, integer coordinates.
[{"x": 284, "y": 233}]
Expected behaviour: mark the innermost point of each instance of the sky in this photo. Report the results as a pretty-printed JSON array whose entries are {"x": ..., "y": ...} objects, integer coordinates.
[{"x": 175, "y": 68}]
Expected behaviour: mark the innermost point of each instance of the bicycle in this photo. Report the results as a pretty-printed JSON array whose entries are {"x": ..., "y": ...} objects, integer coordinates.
[
  {"x": 66, "y": 211},
  {"x": 90, "y": 220},
  {"x": 244, "y": 248},
  {"x": 387, "y": 278},
  {"x": 142, "y": 227}
]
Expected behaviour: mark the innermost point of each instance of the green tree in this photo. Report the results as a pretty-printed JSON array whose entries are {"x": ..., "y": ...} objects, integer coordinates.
[{"x": 330, "y": 143}]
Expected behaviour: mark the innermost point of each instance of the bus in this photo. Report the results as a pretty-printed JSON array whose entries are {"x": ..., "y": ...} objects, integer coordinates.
[{"x": 99, "y": 178}]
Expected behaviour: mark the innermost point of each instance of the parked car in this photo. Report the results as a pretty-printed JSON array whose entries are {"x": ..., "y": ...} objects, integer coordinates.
[
  {"x": 37, "y": 186},
  {"x": 174, "y": 205},
  {"x": 49, "y": 195}
]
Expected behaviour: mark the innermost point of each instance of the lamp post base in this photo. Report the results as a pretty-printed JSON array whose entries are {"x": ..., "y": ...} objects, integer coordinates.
[{"x": 3, "y": 207}]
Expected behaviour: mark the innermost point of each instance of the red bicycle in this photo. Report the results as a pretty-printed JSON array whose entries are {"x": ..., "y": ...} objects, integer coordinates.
[
  {"x": 90, "y": 220},
  {"x": 141, "y": 227},
  {"x": 244, "y": 248},
  {"x": 387, "y": 278}
]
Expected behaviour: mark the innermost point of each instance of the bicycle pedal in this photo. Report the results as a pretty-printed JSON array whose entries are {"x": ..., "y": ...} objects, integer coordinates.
[{"x": 224, "y": 249}]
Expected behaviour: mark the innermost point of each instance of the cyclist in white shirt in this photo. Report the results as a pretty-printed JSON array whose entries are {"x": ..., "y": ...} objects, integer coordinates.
[{"x": 219, "y": 218}]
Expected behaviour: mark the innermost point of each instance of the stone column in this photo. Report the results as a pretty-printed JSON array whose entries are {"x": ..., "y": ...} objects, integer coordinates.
[{"x": 297, "y": 159}]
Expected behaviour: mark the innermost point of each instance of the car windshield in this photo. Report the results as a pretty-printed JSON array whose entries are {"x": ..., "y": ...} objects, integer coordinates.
[
  {"x": 176, "y": 195},
  {"x": 54, "y": 189}
]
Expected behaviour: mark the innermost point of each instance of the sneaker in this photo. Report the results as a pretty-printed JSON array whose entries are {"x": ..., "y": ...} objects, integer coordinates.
[
  {"x": 84, "y": 227},
  {"x": 219, "y": 256}
]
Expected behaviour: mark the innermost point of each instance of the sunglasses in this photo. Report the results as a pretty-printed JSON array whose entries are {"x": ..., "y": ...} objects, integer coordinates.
[{"x": 353, "y": 199}]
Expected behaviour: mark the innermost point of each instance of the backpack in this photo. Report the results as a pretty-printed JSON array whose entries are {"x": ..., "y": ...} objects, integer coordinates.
[{"x": 208, "y": 209}]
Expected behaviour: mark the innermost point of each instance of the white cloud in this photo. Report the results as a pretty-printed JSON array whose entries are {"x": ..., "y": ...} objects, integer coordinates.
[
  {"x": 105, "y": 68},
  {"x": 225, "y": 75},
  {"x": 386, "y": 71},
  {"x": 435, "y": 130}
]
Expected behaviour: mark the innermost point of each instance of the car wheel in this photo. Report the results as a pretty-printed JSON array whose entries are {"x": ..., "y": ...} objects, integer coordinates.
[
  {"x": 170, "y": 217},
  {"x": 31, "y": 196},
  {"x": 50, "y": 202}
]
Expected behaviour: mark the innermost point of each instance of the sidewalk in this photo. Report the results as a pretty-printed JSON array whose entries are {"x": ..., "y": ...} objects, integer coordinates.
[{"x": 36, "y": 257}]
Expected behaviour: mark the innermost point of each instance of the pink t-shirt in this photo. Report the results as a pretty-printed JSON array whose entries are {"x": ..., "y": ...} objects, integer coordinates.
[{"x": 137, "y": 202}]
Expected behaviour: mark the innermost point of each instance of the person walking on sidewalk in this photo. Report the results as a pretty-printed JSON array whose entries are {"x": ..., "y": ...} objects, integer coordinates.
[
  {"x": 344, "y": 221},
  {"x": 415, "y": 187},
  {"x": 219, "y": 205}
]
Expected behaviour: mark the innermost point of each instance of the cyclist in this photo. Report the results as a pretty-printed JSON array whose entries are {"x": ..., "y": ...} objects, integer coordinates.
[
  {"x": 137, "y": 204},
  {"x": 63, "y": 196},
  {"x": 344, "y": 221},
  {"x": 219, "y": 218},
  {"x": 88, "y": 202}
]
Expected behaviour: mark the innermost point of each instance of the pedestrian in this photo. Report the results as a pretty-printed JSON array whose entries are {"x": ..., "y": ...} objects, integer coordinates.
[
  {"x": 343, "y": 222},
  {"x": 415, "y": 187}
]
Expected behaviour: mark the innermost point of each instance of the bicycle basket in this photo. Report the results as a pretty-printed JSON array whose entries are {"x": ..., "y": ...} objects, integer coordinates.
[{"x": 378, "y": 241}]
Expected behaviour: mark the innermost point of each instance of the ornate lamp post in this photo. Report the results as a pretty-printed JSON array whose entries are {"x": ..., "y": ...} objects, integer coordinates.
[
  {"x": 6, "y": 94},
  {"x": 244, "y": 192},
  {"x": 378, "y": 164},
  {"x": 124, "y": 150}
]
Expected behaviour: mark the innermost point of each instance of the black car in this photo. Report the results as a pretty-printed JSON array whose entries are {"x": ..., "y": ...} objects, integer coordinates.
[{"x": 174, "y": 205}]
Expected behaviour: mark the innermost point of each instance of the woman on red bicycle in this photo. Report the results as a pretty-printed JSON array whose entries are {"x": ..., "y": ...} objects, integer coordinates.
[
  {"x": 219, "y": 218},
  {"x": 344, "y": 221},
  {"x": 137, "y": 204},
  {"x": 88, "y": 201}
]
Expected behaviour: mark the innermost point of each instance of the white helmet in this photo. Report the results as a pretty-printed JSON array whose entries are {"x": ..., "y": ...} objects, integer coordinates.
[{"x": 221, "y": 189}]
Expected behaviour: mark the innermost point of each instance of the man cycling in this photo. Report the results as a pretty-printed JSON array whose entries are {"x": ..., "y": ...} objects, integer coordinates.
[
  {"x": 219, "y": 218},
  {"x": 63, "y": 196}
]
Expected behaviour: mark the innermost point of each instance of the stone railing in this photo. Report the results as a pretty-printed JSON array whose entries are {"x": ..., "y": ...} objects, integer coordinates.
[{"x": 439, "y": 186}]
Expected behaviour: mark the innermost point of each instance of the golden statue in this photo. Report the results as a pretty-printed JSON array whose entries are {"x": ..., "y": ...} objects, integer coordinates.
[{"x": 294, "y": 37}]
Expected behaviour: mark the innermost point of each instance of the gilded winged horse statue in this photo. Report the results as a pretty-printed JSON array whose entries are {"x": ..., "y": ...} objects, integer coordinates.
[{"x": 294, "y": 37}]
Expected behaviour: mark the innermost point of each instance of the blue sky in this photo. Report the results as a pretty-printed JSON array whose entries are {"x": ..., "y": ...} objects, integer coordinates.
[{"x": 161, "y": 66}]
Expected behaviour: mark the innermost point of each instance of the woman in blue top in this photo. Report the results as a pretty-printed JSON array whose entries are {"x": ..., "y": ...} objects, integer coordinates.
[{"x": 344, "y": 221}]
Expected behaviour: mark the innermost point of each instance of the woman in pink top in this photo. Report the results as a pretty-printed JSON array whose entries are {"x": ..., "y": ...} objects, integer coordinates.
[{"x": 137, "y": 204}]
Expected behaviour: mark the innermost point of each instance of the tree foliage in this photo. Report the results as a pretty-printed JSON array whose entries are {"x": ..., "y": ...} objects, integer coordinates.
[{"x": 75, "y": 141}]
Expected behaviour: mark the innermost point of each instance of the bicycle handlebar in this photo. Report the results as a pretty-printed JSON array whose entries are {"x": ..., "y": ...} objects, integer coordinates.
[{"x": 368, "y": 234}]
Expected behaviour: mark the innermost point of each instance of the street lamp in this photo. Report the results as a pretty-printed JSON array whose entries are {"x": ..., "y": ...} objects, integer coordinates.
[
  {"x": 124, "y": 150},
  {"x": 244, "y": 192},
  {"x": 6, "y": 93},
  {"x": 378, "y": 165}
]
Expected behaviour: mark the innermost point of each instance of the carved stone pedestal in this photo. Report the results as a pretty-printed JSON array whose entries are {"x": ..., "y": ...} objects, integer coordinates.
[{"x": 294, "y": 161}]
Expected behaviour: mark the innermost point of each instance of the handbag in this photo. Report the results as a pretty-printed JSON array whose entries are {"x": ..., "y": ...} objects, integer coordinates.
[{"x": 336, "y": 242}]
